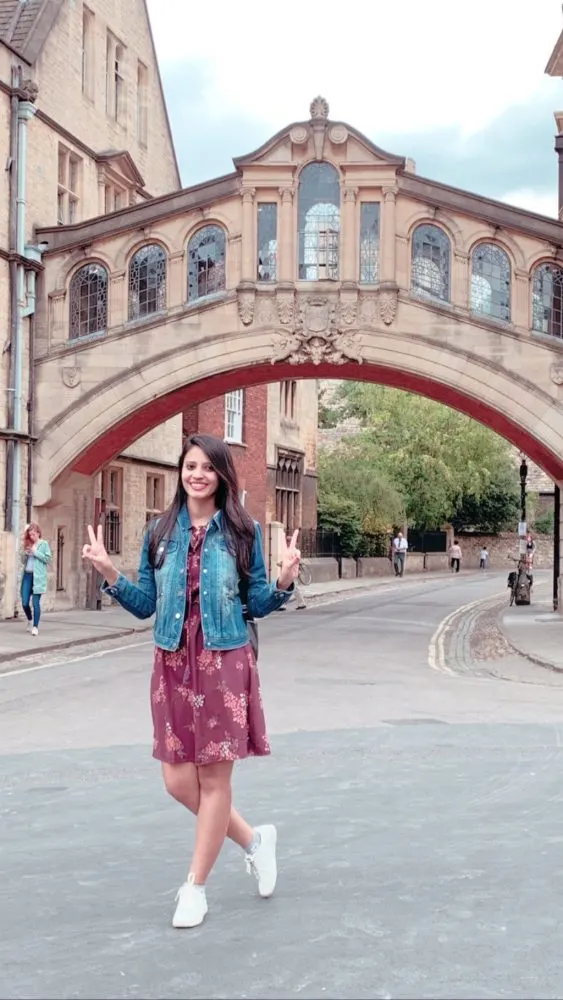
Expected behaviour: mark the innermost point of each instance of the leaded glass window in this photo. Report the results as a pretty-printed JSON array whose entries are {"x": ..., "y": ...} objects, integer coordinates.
[
  {"x": 369, "y": 241},
  {"x": 430, "y": 268},
  {"x": 490, "y": 282},
  {"x": 319, "y": 222},
  {"x": 267, "y": 264},
  {"x": 88, "y": 298},
  {"x": 547, "y": 300},
  {"x": 147, "y": 282},
  {"x": 206, "y": 262}
]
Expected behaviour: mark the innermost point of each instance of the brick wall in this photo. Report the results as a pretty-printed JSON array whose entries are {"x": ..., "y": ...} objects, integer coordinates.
[{"x": 250, "y": 456}]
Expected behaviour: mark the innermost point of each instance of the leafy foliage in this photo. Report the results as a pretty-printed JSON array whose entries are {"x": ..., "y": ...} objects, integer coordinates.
[{"x": 419, "y": 461}]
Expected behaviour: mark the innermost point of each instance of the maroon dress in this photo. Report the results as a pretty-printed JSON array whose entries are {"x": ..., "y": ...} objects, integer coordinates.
[{"x": 206, "y": 704}]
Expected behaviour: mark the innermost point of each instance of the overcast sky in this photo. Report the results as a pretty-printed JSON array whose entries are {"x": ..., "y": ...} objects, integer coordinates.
[{"x": 460, "y": 87}]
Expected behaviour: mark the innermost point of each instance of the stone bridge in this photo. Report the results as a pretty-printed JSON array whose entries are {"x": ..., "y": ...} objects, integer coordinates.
[{"x": 319, "y": 256}]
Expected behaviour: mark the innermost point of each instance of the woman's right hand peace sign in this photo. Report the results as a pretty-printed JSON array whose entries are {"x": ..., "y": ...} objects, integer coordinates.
[{"x": 95, "y": 551}]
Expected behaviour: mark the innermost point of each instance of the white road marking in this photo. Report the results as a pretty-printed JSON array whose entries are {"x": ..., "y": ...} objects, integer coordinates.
[
  {"x": 436, "y": 653},
  {"x": 75, "y": 659}
]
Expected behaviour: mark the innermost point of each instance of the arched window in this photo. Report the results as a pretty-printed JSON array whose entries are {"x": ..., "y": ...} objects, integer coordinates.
[
  {"x": 547, "y": 300},
  {"x": 319, "y": 222},
  {"x": 147, "y": 281},
  {"x": 430, "y": 268},
  {"x": 206, "y": 262},
  {"x": 88, "y": 299},
  {"x": 490, "y": 282}
]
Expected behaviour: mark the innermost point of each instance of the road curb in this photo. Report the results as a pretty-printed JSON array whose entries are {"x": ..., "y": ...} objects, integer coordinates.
[
  {"x": 546, "y": 664},
  {"x": 73, "y": 643}
]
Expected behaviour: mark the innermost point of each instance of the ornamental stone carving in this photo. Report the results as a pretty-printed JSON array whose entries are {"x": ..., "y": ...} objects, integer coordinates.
[
  {"x": 245, "y": 303},
  {"x": 338, "y": 134},
  {"x": 299, "y": 134},
  {"x": 319, "y": 109},
  {"x": 317, "y": 334},
  {"x": 556, "y": 372},
  {"x": 285, "y": 300},
  {"x": 388, "y": 299},
  {"x": 71, "y": 377}
]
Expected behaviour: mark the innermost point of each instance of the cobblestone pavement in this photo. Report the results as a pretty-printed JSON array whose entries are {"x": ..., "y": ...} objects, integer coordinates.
[{"x": 416, "y": 792}]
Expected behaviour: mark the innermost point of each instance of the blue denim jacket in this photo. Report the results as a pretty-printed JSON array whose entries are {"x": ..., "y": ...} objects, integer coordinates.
[{"x": 163, "y": 590}]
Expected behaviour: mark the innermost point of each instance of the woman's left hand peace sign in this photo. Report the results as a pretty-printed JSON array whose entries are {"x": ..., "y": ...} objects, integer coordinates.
[{"x": 290, "y": 559}]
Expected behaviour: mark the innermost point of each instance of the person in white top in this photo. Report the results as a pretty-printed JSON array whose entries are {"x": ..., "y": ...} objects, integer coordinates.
[
  {"x": 455, "y": 556},
  {"x": 400, "y": 549}
]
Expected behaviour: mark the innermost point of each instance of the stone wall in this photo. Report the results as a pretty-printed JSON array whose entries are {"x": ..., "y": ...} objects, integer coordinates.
[{"x": 501, "y": 547}]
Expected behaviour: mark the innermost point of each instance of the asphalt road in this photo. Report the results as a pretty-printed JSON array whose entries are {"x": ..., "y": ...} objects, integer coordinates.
[{"x": 415, "y": 782}]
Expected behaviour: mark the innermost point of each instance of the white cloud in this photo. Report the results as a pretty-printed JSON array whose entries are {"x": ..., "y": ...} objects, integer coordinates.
[
  {"x": 411, "y": 66},
  {"x": 544, "y": 203}
]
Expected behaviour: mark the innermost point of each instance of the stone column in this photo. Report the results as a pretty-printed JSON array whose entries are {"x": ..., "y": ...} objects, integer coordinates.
[
  {"x": 287, "y": 252},
  {"x": 521, "y": 299},
  {"x": 388, "y": 230},
  {"x": 460, "y": 279},
  {"x": 248, "y": 270},
  {"x": 349, "y": 238},
  {"x": 58, "y": 317},
  {"x": 117, "y": 305},
  {"x": 177, "y": 280},
  {"x": 101, "y": 191}
]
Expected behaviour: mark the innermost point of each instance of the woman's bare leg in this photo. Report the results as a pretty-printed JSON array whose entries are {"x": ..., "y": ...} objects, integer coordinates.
[
  {"x": 183, "y": 784},
  {"x": 212, "y": 818}
]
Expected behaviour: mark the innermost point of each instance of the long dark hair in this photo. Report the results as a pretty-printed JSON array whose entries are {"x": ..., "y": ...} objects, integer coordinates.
[{"x": 238, "y": 527}]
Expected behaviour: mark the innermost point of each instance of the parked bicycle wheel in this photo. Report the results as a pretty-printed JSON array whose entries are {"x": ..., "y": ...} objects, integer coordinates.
[{"x": 304, "y": 577}]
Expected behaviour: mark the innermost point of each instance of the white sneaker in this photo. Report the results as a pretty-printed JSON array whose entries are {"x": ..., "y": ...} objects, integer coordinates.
[
  {"x": 192, "y": 905},
  {"x": 35, "y": 630},
  {"x": 262, "y": 862},
  {"x": 28, "y": 627}
]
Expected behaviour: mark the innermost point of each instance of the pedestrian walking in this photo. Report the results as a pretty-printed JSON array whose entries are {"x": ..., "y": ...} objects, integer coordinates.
[
  {"x": 530, "y": 553},
  {"x": 35, "y": 557},
  {"x": 400, "y": 549},
  {"x": 483, "y": 557},
  {"x": 455, "y": 556},
  {"x": 201, "y": 561}
]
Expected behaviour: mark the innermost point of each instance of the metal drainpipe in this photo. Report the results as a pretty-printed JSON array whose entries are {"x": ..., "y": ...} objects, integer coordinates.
[
  {"x": 557, "y": 492},
  {"x": 12, "y": 229},
  {"x": 26, "y": 111}
]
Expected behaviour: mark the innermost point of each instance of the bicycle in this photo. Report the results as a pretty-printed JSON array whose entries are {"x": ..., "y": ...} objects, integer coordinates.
[
  {"x": 520, "y": 582},
  {"x": 304, "y": 576}
]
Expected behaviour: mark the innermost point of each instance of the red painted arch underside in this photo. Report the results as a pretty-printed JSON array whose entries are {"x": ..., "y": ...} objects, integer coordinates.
[{"x": 106, "y": 448}]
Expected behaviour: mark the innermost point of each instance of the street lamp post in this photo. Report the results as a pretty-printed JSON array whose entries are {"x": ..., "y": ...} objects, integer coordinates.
[{"x": 523, "y": 481}]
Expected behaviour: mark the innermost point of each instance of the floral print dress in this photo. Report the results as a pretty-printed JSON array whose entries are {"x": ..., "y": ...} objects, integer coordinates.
[{"x": 206, "y": 704}]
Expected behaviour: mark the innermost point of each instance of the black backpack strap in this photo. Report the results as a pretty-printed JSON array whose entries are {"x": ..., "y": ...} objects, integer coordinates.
[{"x": 243, "y": 591}]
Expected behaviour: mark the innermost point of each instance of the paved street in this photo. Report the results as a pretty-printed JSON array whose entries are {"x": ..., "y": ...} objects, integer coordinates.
[{"x": 415, "y": 782}]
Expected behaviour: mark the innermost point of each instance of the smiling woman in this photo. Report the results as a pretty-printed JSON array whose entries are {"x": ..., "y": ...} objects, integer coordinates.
[{"x": 199, "y": 559}]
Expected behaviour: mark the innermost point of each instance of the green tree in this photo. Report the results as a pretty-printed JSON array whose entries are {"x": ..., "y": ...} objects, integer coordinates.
[
  {"x": 434, "y": 458},
  {"x": 496, "y": 509}
]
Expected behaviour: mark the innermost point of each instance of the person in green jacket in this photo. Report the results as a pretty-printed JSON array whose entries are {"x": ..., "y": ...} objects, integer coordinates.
[{"x": 36, "y": 556}]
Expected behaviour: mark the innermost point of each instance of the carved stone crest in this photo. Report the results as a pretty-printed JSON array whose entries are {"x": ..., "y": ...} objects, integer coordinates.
[
  {"x": 317, "y": 335},
  {"x": 265, "y": 310},
  {"x": 556, "y": 372},
  {"x": 245, "y": 302},
  {"x": 71, "y": 377},
  {"x": 368, "y": 310}
]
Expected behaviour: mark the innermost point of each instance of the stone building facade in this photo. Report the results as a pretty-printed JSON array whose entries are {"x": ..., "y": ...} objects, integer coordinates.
[{"x": 84, "y": 131}]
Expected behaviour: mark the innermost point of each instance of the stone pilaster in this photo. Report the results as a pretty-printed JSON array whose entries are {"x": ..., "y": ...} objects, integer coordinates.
[
  {"x": 388, "y": 233},
  {"x": 248, "y": 268},
  {"x": 349, "y": 237},
  {"x": 286, "y": 258}
]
